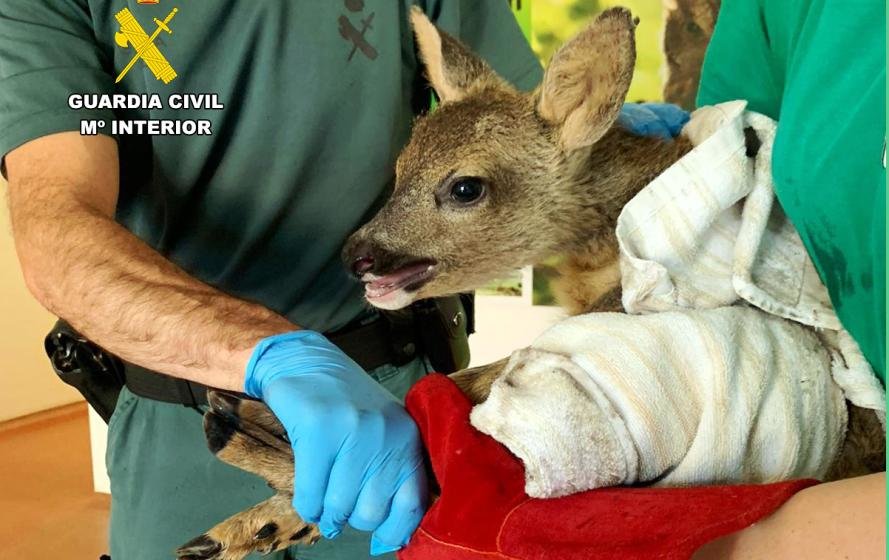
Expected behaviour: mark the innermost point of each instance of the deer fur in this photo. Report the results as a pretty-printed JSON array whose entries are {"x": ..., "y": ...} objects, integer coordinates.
[{"x": 556, "y": 172}]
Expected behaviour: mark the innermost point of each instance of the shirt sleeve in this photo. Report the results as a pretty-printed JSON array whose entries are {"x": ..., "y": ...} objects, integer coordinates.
[
  {"x": 490, "y": 29},
  {"x": 47, "y": 52},
  {"x": 740, "y": 62}
]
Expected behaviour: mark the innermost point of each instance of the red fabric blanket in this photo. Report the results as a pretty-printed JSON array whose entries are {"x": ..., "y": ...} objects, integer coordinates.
[{"x": 484, "y": 513}]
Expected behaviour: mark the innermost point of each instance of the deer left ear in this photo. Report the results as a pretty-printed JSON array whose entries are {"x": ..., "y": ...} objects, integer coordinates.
[
  {"x": 452, "y": 69},
  {"x": 587, "y": 80}
]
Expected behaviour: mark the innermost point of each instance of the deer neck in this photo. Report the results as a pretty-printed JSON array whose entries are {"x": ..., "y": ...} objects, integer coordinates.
[
  {"x": 611, "y": 173},
  {"x": 608, "y": 176}
]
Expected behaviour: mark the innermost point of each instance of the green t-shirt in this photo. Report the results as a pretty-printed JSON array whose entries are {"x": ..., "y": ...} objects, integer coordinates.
[
  {"x": 319, "y": 97},
  {"x": 819, "y": 67}
]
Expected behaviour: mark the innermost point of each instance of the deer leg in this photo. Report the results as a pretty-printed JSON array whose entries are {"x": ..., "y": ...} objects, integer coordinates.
[
  {"x": 245, "y": 434},
  {"x": 253, "y": 411},
  {"x": 864, "y": 449},
  {"x": 267, "y": 527},
  {"x": 476, "y": 382}
]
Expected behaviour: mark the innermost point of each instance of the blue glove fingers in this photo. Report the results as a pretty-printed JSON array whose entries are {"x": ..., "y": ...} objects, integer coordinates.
[
  {"x": 630, "y": 117},
  {"x": 333, "y": 519},
  {"x": 310, "y": 479},
  {"x": 643, "y": 121},
  {"x": 373, "y": 503},
  {"x": 672, "y": 116},
  {"x": 653, "y": 119},
  {"x": 342, "y": 495},
  {"x": 381, "y": 484},
  {"x": 408, "y": 507}
]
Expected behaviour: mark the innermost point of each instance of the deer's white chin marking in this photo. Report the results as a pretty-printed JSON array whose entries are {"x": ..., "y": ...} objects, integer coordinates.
[{"x": 396, "y": 299}]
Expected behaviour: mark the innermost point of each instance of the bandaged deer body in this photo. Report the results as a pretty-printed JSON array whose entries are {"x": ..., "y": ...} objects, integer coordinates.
[{"x": 491, "y": 181}]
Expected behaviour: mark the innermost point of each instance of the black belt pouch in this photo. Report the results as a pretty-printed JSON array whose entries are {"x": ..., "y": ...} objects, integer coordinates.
[
  {"x": 96, "y": 374},
  {"x": 443, "y": 329}
]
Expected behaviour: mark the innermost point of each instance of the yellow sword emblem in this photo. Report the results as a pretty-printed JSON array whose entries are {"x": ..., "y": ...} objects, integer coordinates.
[{"x": 132, "y": 34}]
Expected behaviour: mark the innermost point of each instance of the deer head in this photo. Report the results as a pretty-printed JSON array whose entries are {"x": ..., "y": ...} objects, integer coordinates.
[{"x": 496, "y": 179}]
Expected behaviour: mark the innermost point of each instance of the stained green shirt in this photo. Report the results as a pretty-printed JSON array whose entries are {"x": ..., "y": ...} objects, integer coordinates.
[
  {"x": 319, "y": 97},
  {"x": 819, "y": 67}
]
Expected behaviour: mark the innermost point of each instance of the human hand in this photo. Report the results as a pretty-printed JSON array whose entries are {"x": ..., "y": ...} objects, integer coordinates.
[
  {"x": 661, "y": 120},
  {"x": 357, "y": 452}
]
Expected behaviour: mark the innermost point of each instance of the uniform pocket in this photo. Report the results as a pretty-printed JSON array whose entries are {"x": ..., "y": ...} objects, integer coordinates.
[
  {"x": 384, "y": 374},
  {"x": 398, "y": 380}
]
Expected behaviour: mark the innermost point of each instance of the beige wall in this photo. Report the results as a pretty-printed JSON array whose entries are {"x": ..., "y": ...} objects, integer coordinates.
[
  {"x": 504, "y": 324},
  {"x": 27, "y": 384}
]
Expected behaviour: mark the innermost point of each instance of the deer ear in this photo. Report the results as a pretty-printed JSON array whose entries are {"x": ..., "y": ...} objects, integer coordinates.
[
  {"x": 587, "y": 80},
  {"x": 452, "y": 69}
]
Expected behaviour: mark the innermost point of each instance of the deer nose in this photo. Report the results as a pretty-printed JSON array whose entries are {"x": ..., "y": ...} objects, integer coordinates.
[
  {"x": 362, "y": 264},
  {"x": 359, "y": 256}
]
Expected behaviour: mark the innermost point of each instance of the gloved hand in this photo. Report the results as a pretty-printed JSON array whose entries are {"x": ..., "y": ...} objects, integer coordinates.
[
  {"x": 357, "y": 452},
  {"x": 662, "y": 120}
]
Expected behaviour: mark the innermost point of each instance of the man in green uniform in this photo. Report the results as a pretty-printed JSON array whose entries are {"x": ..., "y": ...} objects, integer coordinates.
[
  {"x": 819, "y": 67},
  {"x": 156, "y": 247}
]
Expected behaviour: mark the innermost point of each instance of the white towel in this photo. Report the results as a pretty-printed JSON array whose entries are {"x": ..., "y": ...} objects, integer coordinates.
[
  {"x": 690, "y": 240},
  {"x": 702, "y": 389},
  {"x": 681, "y": 398},
  {"x": 708, "y": 232}
]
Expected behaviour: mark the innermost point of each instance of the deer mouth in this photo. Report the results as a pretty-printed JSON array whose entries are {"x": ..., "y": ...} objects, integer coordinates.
[{"x": 386, "y": 289}]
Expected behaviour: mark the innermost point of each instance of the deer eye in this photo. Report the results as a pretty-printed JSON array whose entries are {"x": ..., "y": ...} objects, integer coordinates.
[{"x": 467, "y": 190}]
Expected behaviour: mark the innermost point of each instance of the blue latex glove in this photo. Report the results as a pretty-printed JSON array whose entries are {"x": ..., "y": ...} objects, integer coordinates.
[
  {"x": 662, "y": 120},
  {"x": 357, "y": 452}
]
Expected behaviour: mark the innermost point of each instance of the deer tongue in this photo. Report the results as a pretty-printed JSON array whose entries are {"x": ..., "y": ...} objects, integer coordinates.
[{"x": 378, "y": 286}]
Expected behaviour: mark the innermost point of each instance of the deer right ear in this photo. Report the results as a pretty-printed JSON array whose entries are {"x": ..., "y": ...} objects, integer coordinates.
[
  {"x": 587, "y": 80},
  {"x": 452, "y": 69}
]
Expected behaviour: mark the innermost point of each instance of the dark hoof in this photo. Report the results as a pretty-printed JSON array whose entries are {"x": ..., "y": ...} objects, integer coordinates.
[
  {"x": 302, "y": 533},
  {"x": 224, "y": 403},
  {"x": 267, "y": 531},
  {"x": 219, "y": 431},
  {"x": 200, "y": 548}
]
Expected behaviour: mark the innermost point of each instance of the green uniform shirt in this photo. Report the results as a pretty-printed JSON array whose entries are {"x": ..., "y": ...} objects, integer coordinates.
[
  {"x": 319, "y": 97},
  {"x": 819, "y": 67}
]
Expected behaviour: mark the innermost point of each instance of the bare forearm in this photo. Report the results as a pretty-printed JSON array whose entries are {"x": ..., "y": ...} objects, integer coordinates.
[
  {"x": 119, "y": 292},
  {"x": 843, "y": 519}
]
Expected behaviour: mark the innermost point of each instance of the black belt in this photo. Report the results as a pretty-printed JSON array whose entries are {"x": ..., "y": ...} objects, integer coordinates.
[
  {"x": 437, "y": 329},
  {"x": 368, "y": 344},
  {"x": 99, "y": 376}
]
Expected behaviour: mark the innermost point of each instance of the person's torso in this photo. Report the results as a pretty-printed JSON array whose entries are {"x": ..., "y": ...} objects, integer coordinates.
[
  {"x": 829, "y": 156},
  {"x": 318, "y": 100}
]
